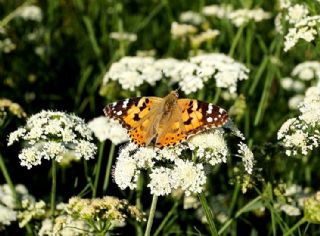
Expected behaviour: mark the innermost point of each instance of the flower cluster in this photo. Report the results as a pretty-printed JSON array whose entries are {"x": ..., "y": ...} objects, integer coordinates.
[
  {"x": 31, "y": 12},
  {"x": 7, "y": 106},
  {"x": 53, "y": 135},
  {"x": 290, "y": 199},
  {"x": 172, "y": 169},
  {"x": 301, "y": 24},
  {"x": 192, "y": 26},
  {"x": 131, "y": 72},
  {"x": 312, "y": 208},
  {"x": 105, "y": 128},
  {"x": 6, "y": 45},
  {"x": 108, "y": 209},
  {"x": 238, "y": 17},
  {"x": 299, "y": 135},
  {"x": 8, "y": 204}
]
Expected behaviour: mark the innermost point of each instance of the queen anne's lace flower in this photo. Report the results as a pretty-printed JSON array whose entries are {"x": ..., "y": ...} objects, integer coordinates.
[
  {"x": 171, "y": 168},
  {"x": 52, "y": 135},
  {"x": 105, "y": 128},
  {"x": 30, "y": 12},
  {"x": 160, "y": 181},
  {"x": 302, "y": 25},
  {"x": 237, "y": 17},
  {"x": 301, "y": 134},
  {"x": 211, "y": 146},
  {"x": 188, "y": 176},
  {"x": 307, "y": 70},
  {"x": 131, "y": 72},
  {"x": 191, "y": 75}
]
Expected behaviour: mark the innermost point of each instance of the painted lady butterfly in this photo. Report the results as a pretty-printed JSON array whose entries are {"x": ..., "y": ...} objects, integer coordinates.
[{"x": 167, "y": 120}]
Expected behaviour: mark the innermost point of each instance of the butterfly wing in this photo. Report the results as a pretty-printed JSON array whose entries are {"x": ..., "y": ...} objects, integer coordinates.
[
  {"x": 137, "y": 115},
  {"x": 171, "y": 130},
  {"x": 198, "y": 116}
]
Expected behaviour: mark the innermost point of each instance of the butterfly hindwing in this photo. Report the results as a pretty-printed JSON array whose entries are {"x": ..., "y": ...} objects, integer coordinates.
[
  {"x": 198, "y": 116},
  {"x": 172, "y": 131}
]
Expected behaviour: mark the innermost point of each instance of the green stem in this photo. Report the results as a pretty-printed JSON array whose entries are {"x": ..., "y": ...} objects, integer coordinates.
[
  {"x": 53, "y": 189},
  {"x": 234, "y": 198},
  {"x": 8, "y": 179},
  {"x": 108, "y": 171},
  {"x": 236, "y": 40},
  {"x": 151, "y": 215},
  {"x": 167, "y": 218},
  {"x": 300, "y": 222},
  {"x": 139, "y": 230},
  {"x": 208, "y": 214},
  {"x": 96, "y": 180},
  {"x": 12, "y": 188}
]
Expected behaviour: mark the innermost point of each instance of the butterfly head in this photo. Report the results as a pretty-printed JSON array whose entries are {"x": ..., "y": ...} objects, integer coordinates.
[{"x": 175, "y": 93}]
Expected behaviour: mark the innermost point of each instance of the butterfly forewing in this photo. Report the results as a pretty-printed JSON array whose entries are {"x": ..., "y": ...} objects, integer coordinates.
[
  {"x": 137, "y": 116},
  {"x": 198, "y": 116}
]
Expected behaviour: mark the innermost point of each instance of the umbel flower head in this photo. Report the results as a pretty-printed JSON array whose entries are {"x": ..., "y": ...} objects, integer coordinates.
[
  {"x": 191, "y": 74},
  {"x": 53, "y": 135},
  {"x": 95, "y": 216},
  {"x": 299, "y": 135},
  {"x": 105, "y": 128},
  {"x": 8, "y": 204},
  {"x": 181, "y": 167}
]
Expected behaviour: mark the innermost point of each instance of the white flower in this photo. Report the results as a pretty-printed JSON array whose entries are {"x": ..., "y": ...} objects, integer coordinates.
[
  {"x": 188, "y": 176},
  {"x": 310, "y": 108},
  {"x": 191, "y": 17},
  {"x": 31, "y": 12},
  {"x": 182, "y": 30},
  {"x": 292, "y": 85},
  {"x": 295, "y": 101},
  {"x": 46, "y": 228},
  {"x": 242, "y": 16},
  {"x": 191, "y": 84},
  {"x": 52, "y": 135},
  {"x": 228, "y": 71},
  {"x": 220, "y": 11},
  {"x": 307, "y": 70},
  {"x": 296, "y": 13},
  {"x": 7, "y": 215},
  {"x": 210, "y": 145},
  {"x": 7, "y": 45},
  {"x": 304, "y": 29},
  {"x": 247, "y": 157},
  {"x": 160, "y": 181},
  {"x": 206, "y": 36},
  {"x": 144, "y": 157},
  {"x": 123, "y": 36},
  {"x": 290, "y": 210},
  {"x": 125, "y": 171},
  {"x": 301, "y": 134},
  {"x": 131, "y": 72},
  {"x": 105, "y": 128}
]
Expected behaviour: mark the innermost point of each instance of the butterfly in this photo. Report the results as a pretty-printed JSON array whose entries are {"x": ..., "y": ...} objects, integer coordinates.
[{"x": 165, "y": 121}]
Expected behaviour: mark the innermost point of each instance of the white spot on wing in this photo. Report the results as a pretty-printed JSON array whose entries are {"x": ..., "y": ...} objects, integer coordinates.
[
  {"x": 119, "y": 113},
  {"x": 221, "y": 110},
  {"x": 209, "y": 119},
  {"x": 125, "y": 103}
]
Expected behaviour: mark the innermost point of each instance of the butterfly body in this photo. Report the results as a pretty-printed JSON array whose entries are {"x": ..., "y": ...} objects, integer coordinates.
[{"x": 167, "y": 121}]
